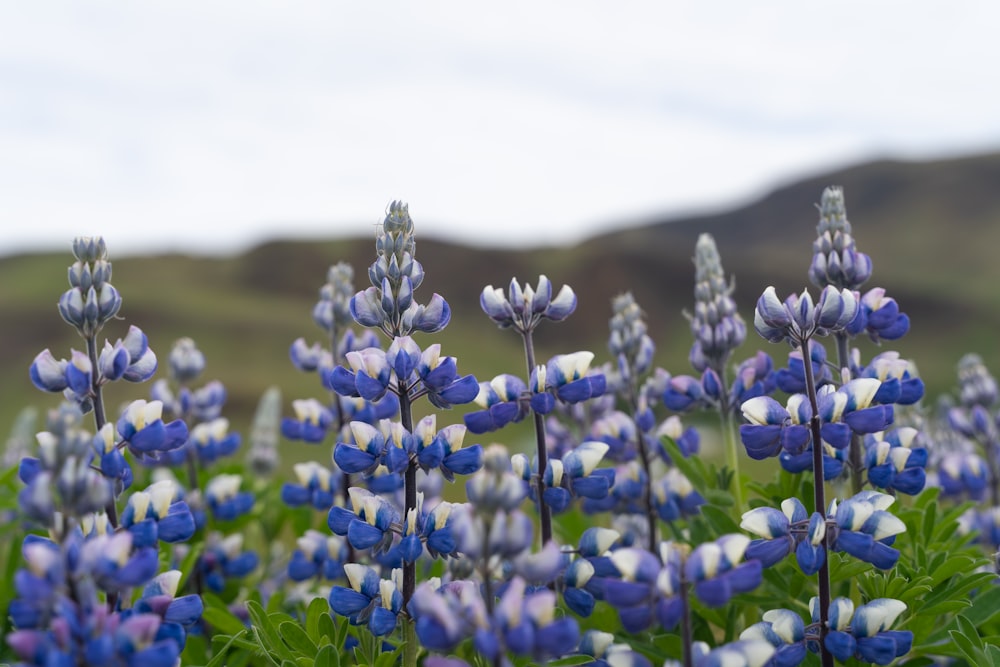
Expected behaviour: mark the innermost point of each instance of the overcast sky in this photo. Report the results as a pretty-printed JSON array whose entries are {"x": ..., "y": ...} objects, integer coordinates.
[{"x": 208, "y": 126}]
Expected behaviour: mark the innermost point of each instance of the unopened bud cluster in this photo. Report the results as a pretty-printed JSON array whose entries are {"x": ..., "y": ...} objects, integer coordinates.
[
  {"x": 333, "y": 310},
  {"x": 91, "y": 300},
  {"x": 389, "y": 304},
  {"x": 836, "y": 261},
  {"x": 717, "y": 328}
]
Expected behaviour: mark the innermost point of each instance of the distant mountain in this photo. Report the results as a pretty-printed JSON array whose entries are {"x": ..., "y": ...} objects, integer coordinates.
[{"x": 931, "y": 228}]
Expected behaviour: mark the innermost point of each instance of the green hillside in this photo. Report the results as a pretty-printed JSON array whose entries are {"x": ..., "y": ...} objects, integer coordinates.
[{"x": 931, "y": 229}]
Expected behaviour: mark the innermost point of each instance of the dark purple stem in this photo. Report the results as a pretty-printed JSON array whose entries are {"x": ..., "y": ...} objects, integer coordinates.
[{"x": 545, "y": 517}]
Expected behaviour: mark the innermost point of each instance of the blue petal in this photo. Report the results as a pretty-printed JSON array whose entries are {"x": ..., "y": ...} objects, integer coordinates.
[
  {"x": 878, "y": 649},
  {"x": 351, "y": 459},
  {"x": 579, "y": 601},
  {"x": 347, "y": 601},
  {"x": 184, "y": 610},
  {"x": 381, "y": 622},
  {"x": 363, "y": 535},
  {"x": 558, "y": 637},
  {"x": 636, "y": 619},
  {"x": 840, "y": 644},
  {"x": 465, "y": 461}
]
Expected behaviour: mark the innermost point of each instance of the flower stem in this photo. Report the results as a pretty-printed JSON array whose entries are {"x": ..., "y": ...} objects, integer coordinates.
[
  {"x": 687, "y": 637},
  {"x": 728, "y": 428},
  {"x": 819, "y": 498},
  {"x": 410, "y": 645},
  {"x": 544, "y": 516}
]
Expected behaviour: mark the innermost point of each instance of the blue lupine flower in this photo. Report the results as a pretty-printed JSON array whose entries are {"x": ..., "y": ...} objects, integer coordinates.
[
  {"x": 369, "y": 450},
  {"x": 785, "y": 631},
  {"x": 501, "y": 402},
  {"x": 774, "y": 528},
  {"x": 773, "y": 428},
  {"x": 963, "y": 474},
  {"x": 833, "y": 461},
  {"x": 446, "y": 451},
  {"x": 619, "y": 432},
  {"x": 865, "y": 530},
  {"x": 158, "y": 513},
  {"x": 850, "y": 409},
  {"x": 716, "y": 326},
  {"x": 523, "y": 309},
  {"x": 566, "y": 377},
  {"x": 113, "y": 563},
  {"x": 111, "y": 461},
  {"x": 880, "y": 317},
  {"x": 744, "y": 653},
  {"x": 893, "y": 464},
  {"x": 798, "y": 319},
  {"x": 370, "y": 600},
  {"x": 160, "y": 597},
  {"x": 316, "y": 486},
  {"x": 309, "y": 358},
  {"x": 495, "y": 487},
  {"x": 224, "y": 558},
  {"x": 628, "y": 340},
  {"x": 576, "y": 474},
  {"x": 718, "y": 570},
  {"x": 525, "y": 625},
  {"x": 792, "y": 379},
  {"x": 441, "y": 381},
  {"x": 318, "y": 555},
  {"x": 138, "y": 366},
  {"x": 370, "y": 523},
  {"x": 600, "y": 645},
  {"x": 312, "y": 419},
  {"x": 863, "y": 633},
  {"x": 836, "y": 260},
  {"x": 686, "y": 439},
  {"x": 675, "y": 497},
  {"x": 898, "y": 376},
  {"x": 141, "y": 426},
  {"x": 368, "y": 377},
  {"x": 645, "y": 590},
  {"x": 446, "y": 615},
  {"x": 186, "y": 362},
  {"x": 212, "y": 440},
  {"x": 225, "y": 499}
]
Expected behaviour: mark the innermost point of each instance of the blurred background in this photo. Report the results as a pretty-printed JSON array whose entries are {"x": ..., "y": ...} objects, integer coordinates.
[{"x": 231, "y": 152}]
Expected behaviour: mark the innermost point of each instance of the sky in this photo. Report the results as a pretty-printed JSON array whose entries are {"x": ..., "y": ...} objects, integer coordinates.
[{"x": 206, "y": 127}]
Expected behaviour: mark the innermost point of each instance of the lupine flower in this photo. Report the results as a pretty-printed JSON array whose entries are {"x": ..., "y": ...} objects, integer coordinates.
[
  {"x": 566, "y": 377},
  {"x": 894, "y": 464},
  {"x": 446, "y": 451},
  {"x": 224, "y": 558},
  {"x": 773, "y": 428},
  {"x": 225, "y": 499},
  {"x": 865, "y": 530},
  {"x": 785, "y": 531},
  {"x": 186, "y": 361},
  {"x": 62, "y": 480},
  {"x": 754, "y": 377},
  {"x": 370, "y": 523},
  {"x": 645, "y": 589},
  {"x": 976, "y": 384},
  {"x": 160, "y": 597},
  {"x": 628, "y": 340},
  {"x": 115, "y": 565},
  {"x": 312, "y": 419},
  {"x": 618, "y": 431},
  {"x": 129, "y": 359},
  {"x": 792, "y": 379},
  {"x": 864, "y": 633},
  {"x": 963, "y": 474},
  {"x": 880, "y": 316},
  {"x": 718, "y": 570},
  {"x": 371, "y": 448},
  {"x": 836, "y": 260},
  {"x": 898, "y": 377},
  {"x": 446, "y": 615},
  {"x": 389, "y": 304},
  {"x": 262, "y": 454},
  {"x": 441, "y": 381},
  {"x": 501, "y": 402},
  {"x": 785, "y": 631},
  {"x": 495, "y": 486},
  {"x": 525, "y": 625},
  {"x": 370, "y": 600},
  {"x": 798, "y": 319},
  {"x": 584, "y": 578},
  {"x": 576, "y": 474},
  {"x": 91, "y": 300},
  {"x": 316, "y": 486},
  {"x": 675, "y": 497},
  {"x": 318, "y": 555},
  {"x": 141, "y": 426},
  {"x": 744, "y": 653},
  {"x": 716, "y": 326},
  {"x": 600, "y": 645},
  {"x": 158, "y": 513},
  {"x": 523, "y": 309},
  {"x": 212, "y": 440}
]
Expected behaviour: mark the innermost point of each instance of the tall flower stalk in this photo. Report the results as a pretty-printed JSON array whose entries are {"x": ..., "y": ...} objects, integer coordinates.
[{"x": 523, "y": 310}]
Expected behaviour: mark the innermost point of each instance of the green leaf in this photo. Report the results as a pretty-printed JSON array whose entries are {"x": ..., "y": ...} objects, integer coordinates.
[
  {"x": 223, "y": 620},
  {"x": 267, "y": 634},
  {"x": 220, "y": 656},
  {"x": 985, "y": 606},
  {"x": 968, "y": 648},
  {"x": 296, "y": 638},
  {"x": 317, "y": 609},
  {"x": 966, "y": 627},
  {"x": 328, "y": 656}
]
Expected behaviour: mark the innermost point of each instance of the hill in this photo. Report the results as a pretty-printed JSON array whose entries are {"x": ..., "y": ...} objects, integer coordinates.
[{"x": 931, "y": 229}]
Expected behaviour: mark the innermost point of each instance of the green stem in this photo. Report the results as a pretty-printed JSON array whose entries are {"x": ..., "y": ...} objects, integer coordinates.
[{"x": 728, "y": 427}]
